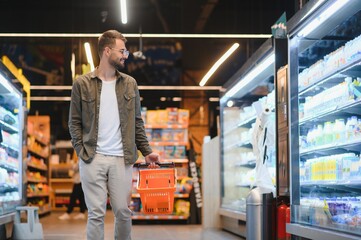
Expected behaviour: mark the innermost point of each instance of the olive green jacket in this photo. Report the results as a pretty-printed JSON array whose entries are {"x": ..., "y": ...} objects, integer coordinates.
[{"x": 84, "y": 116}]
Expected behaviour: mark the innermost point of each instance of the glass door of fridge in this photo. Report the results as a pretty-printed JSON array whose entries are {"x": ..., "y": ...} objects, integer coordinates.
[
  {"x": 325, "y": 79},
  {"x": 253, "y": 91},
  {"x": 11, "y": 127}
]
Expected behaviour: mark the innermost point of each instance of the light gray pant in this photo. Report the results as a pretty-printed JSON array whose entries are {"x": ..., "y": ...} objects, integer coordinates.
[{"x": 107, "y": 174}]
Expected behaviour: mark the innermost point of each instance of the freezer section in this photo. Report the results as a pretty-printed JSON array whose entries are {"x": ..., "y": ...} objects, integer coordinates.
[
  {"x": 11, "y": 123},
  {"x": 248, "y": 136},
  {"x": 328, "y": 121}
]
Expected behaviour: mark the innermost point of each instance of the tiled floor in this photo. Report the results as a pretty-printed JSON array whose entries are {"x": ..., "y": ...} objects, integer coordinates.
[{"x": 55, "y": 229}]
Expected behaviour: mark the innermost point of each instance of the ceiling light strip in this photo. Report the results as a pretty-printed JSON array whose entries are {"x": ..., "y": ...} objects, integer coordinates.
[
  {"x": 321, "y": 18},
  {"x": 195, "y": 88},
  {"x": 50, "y": 98},
  {"x": 89, "y": 56},
  {"x": 259, "y": 68},
  {"x": 218, "y": 63},
  {"x": 123, "y": 11},
  {"x": 135, "y": 35}
]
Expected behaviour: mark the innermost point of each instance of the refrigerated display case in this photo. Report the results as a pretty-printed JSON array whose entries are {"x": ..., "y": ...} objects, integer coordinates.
[
  {"x": 11, "y": 147},
  {"x": 325, "y": 120},
  {"x": 250, "y": 92}
]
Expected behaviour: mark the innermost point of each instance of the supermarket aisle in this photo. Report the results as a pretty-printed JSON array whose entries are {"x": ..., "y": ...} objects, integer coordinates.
[{"x": 55, "y": 229}]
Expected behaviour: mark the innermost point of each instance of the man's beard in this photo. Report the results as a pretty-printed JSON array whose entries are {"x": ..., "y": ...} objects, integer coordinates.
[{"x": 116, "y": 64}]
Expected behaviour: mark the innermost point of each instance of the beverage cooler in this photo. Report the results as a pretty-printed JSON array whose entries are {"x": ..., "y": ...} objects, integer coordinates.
[
  {"x": 325, "y": 120},
  {"x": 11, "y": 146},
  {"x": 249, "y": 95}
]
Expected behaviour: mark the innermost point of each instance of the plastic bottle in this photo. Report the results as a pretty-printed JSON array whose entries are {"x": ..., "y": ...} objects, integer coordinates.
[
  {"x": 350, "y": 94},
  {"x": 310, "y": 138},
  {"x": 358, "y": 129},
  {"x": 348, "y": 130},
  {"x": 351, "y": 128},
  {"x": 319, "y": 135},
  {"x": 339, "y": 131},
  {"x": 327, "y": 133}
]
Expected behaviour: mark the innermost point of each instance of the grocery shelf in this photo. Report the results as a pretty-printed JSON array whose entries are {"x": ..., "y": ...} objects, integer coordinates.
[
  {"x": 36, "y": 153},
  {"x": 33, "y": 195},
  {"x": 165, "y": 125},
  {"x": 37, "y": 139},
  {"x": 38, "y": 167},
  {"x": 353, "y": 66},
  {"x": 168, "y": 143},
  {"x": 349, "y": 145},
  {"x": 8, "y": 167},
  {"x": 34, "y": 180},
  {"x": 351, "y": 106},
  {"x": 62, "y": 180},
  {"x": 8, "y": 128}
]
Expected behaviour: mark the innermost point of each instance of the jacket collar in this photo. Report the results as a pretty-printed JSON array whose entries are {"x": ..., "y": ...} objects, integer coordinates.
[{"x": 94, "y": 74}]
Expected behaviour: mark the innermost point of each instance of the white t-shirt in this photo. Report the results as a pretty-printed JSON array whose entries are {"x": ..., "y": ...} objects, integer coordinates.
[{"x": 109, "y": 134}]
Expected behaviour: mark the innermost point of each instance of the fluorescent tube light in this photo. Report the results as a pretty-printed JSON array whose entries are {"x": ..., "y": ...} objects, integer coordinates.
[
  {"x": 137, "y": 35},
  {"x": 214, "y": 99},
  {"x": 321, "y": 18},
  {"x": 72, "y": 65},
  {"x": 251, "y": 75},
  {"x": 176, "y": 99},
  {"x": 317, "y": 4},
  {"x": 217, "y": 64},
  {"x": 5, "y": 83},
  {"x": 89, "y": 56},
  {"x": 123, "y": 11}
]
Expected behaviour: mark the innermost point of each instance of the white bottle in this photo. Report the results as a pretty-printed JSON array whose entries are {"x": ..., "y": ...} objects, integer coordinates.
[{"x": 339, "y": 131}]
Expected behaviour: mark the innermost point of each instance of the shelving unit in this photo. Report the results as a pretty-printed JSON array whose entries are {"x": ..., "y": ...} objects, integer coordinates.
[
  {"x": 169, "y": 137},
  {"x": 11, "y": 146},
  {"x": 37, "y": 173},
  {"x": 248, "y": 102},
  {"x": 61, "y": 181},
  {"x": 325, "y": 121},
  {"x": 61, "y": 184}
]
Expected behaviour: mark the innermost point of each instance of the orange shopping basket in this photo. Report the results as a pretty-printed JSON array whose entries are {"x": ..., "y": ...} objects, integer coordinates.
[{"x": 156, "y": 187}]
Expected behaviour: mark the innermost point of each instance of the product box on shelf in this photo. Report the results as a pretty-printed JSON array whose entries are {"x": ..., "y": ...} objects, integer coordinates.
[
  {"x": 157, "y": 135},
  {"x": 162, "y": 117},
  {"x": 172, "y": 115},
  {"x": 174, "y": 152},
  {"x": 183, "y": 116},
  {"x": 152, "y": 116}
]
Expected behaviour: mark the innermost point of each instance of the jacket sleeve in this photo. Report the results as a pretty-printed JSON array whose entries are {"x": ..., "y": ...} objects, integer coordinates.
[
  {"x": 75, "y": 119},
  {"x": 140, "y": 137}
]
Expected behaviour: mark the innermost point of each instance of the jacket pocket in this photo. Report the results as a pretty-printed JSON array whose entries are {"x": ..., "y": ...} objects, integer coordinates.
[
  {"x": 88, "y": 110},
  {"x": 130, "y": 100}
]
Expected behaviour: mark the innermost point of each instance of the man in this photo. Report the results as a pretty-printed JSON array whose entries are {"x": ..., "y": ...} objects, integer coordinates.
[{"x": 106, "y": 128}]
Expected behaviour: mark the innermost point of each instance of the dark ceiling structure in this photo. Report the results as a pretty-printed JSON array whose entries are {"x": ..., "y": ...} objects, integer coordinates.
[
  {"x": 157, "y": 16},
  {"x": 145, "y": 16}
]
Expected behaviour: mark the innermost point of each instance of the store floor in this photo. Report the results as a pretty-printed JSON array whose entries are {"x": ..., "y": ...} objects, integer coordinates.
[{"x": 55, "y": 229}]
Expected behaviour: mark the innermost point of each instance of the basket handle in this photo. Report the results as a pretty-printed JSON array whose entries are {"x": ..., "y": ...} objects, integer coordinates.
[{"x": 161, "y": 165}]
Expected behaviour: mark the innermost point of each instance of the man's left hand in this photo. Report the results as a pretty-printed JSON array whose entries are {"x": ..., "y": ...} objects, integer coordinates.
[{"x": 153, "y": 159}]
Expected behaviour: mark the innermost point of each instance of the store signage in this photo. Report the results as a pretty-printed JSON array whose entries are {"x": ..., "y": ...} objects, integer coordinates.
[{"x": 196, "y": 186}]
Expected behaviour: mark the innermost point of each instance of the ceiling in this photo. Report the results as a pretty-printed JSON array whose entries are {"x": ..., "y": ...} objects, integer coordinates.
[
  {"x": 157, "y": 16},
  {"x": 148, "y": 16}
]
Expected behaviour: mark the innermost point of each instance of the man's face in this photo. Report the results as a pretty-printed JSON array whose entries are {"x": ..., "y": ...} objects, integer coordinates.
[{"x": 118, "y": 55}]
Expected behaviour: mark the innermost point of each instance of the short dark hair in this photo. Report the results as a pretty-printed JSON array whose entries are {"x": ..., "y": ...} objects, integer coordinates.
[{"x": 107, "y": 39}]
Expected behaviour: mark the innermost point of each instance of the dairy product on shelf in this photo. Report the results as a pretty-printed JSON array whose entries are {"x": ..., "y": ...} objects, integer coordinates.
[
  {"x": 332, "y": 133},
  {"x": 348, "y": 53},
  {"x": 340, "y": 210},
  {"x": 340, "y": 167}
]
